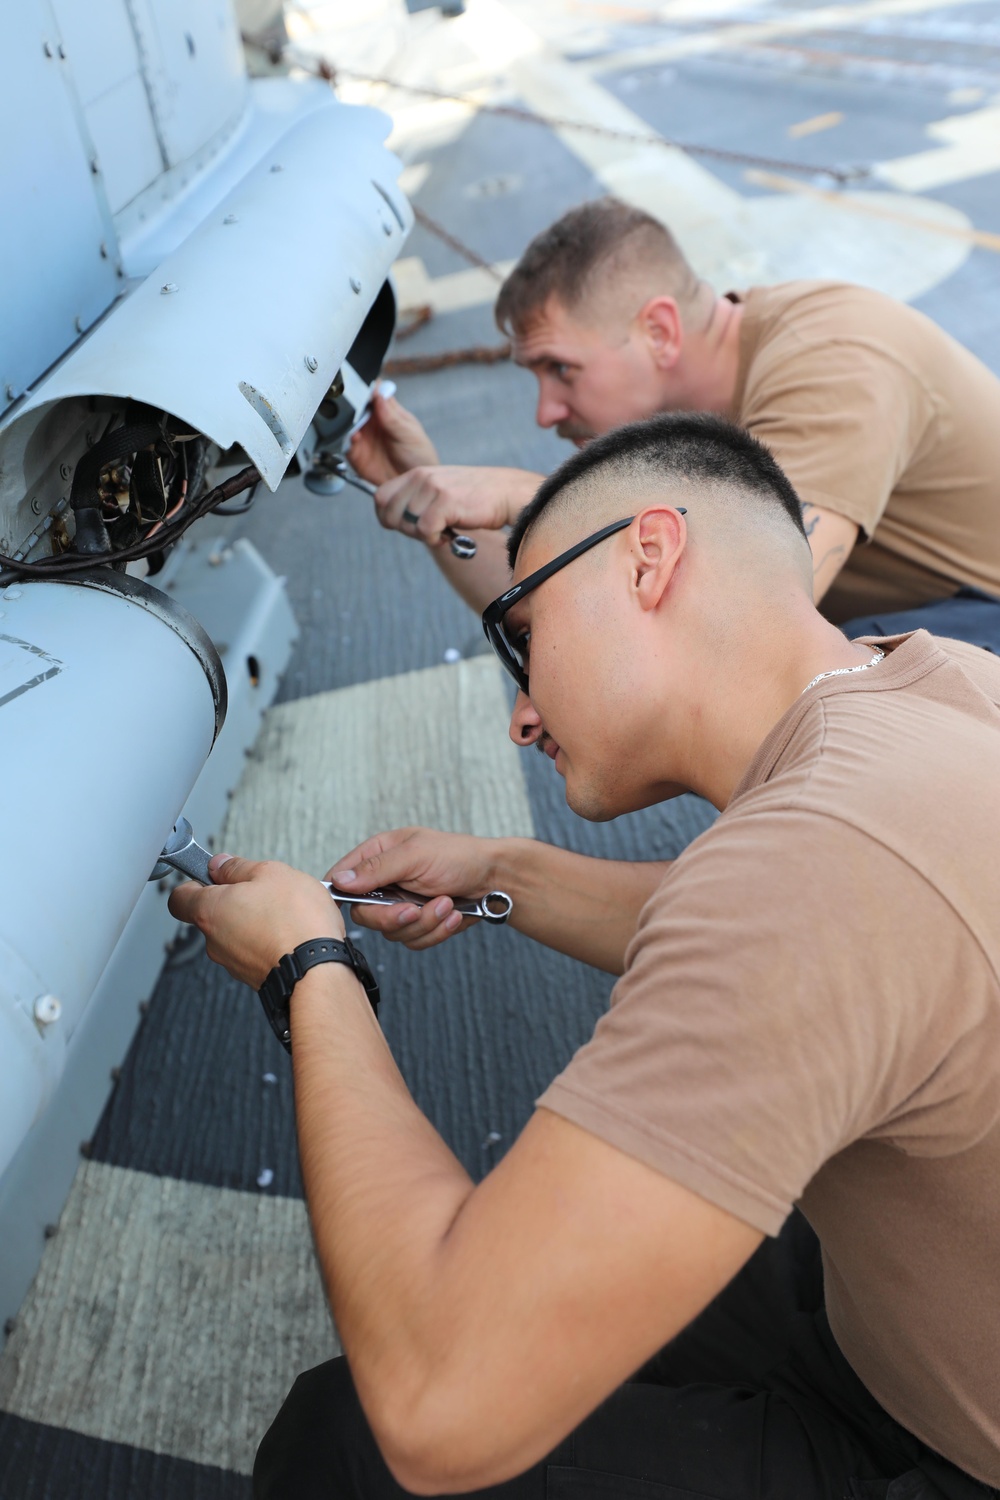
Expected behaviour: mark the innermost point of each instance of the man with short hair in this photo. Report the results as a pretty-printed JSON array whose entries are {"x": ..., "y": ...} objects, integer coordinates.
[
  {"x": 887, "y": 427},
  {"x": 808, "y": 1012}
]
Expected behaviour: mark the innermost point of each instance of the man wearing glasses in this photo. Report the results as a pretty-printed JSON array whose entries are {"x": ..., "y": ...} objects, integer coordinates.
[{"x": 808, "y": 1013}]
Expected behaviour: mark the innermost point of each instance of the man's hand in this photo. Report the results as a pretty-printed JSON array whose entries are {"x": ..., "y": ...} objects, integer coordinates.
[
  {"x": 427, "y": 862},
  {"x": 390, "y": 443},
  {"x": 255, "y": 913},
  {"x": 464, "y": 497}
]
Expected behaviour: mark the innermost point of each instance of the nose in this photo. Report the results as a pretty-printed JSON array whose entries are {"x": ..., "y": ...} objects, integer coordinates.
[
  {"x": 551, "y": 409},
  {"x": 525, "y": 724}
]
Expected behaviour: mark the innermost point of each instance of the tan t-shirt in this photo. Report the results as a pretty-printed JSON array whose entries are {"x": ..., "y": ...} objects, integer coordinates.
[
  {"x": 810, "y": 1014},
  {"x": 874, "y": 412}
]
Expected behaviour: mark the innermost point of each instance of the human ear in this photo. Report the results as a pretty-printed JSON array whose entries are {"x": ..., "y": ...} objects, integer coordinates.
[
  {"x": 659, "y": 536},
  {"x": 663, "y": 329}
]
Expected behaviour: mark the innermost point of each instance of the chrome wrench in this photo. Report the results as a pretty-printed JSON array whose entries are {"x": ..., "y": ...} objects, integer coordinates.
[
  {"x": 182, "y": 852},
  {"x": 461, "y": 545}
]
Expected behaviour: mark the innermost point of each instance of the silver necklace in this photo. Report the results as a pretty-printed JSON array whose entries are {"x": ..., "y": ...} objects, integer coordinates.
[{"x": 845, "y": 671}]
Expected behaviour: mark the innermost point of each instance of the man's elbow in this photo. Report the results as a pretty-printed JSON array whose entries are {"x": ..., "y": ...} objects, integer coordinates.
[{"x": 436, "y": 1445}]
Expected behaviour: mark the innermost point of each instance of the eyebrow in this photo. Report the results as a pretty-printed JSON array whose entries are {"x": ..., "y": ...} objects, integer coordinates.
[{"x": 546, "y": 359}]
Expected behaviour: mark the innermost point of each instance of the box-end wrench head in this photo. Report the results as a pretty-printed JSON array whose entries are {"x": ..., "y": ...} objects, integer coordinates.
[
  {"x": 182, "y": 852},
  {"x": 495, "y": 906}
]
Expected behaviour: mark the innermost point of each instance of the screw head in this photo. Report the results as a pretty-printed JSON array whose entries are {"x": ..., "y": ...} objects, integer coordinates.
[
  {"x": 311, "y": 363},
  {"x": 168, "y": 288},
  {"x": 47, "y": 49},
  {"x": 64, "y": 471},
  {"x": 62, "y": 52},
  {"x": 355, "y": 285},
  {"x": 9, "y": 392},
  {"x": 36, "y": 505},
  {"x": 47, "y": 1010}
]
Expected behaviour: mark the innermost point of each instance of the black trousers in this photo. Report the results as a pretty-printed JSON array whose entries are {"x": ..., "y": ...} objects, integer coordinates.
[
  {"x": 968, "y": 615},
  {"x": 753, "y": 1401}
]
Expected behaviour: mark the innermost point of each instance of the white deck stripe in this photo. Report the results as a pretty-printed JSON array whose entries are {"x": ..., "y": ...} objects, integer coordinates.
[
  {"x": 972, "y": 149},
  {"x": 169, "y": 1316}
]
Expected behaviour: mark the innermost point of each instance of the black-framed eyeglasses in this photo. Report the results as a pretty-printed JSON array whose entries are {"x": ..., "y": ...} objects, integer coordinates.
[{"x": 512, "y": 650}]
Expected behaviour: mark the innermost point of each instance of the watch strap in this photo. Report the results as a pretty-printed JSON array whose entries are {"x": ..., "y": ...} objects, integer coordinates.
[{"x": 276, "y": 991}]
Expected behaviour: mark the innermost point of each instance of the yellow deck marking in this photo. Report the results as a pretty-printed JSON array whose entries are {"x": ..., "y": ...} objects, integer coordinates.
[{"x": 815, "y": 125}]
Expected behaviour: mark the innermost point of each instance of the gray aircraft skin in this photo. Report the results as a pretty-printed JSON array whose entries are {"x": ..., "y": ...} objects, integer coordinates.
[{"x": 194, "y": 286}]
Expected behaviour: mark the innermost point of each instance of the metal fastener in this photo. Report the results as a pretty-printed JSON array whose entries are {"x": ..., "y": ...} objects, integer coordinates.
[
  {"x": 168, "y": 287},
  {"x": 104, "y": 251},
  {"x": 47, "y": 1010},
  {"x": 95, "y": 165},
  {"x": 276, "y": 166},
  {"x": 355, "y": 284},
  {"x": 312, "y": 363},
  {"x": 11, "y": 593},
  {"x": 231, "y": 219},
  {"x": 78, "y": 323},
  {"x": 62, "y": 51},
  {"x": 64, "y": 471},
  {"x": 47, "y": 49},
  {"x": 36, "y": 504},
  {"x": 9, "y": 392}
]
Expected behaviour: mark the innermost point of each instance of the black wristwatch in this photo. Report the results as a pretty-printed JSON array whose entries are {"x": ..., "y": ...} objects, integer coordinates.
[{"x": 276, "y": 991}]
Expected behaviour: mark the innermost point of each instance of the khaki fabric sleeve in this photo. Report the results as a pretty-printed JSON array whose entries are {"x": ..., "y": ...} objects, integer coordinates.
[
  {"x": 843, "y": 418},
  {"x": 778, "y": 1005}
]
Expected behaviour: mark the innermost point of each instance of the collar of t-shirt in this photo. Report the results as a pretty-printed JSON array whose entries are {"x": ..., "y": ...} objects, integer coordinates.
[{"x": 907, "y": 658}]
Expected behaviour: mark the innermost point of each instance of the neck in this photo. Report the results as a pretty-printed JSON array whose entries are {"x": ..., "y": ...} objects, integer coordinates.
[
  {"x": 749, "y": 686},
  {"x": 712, "y": 356}
]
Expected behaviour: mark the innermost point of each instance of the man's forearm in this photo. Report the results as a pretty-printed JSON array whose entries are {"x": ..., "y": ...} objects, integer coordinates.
[
  {"x": 382, "y": 1188},
  {"x": 585, "y": 907}
]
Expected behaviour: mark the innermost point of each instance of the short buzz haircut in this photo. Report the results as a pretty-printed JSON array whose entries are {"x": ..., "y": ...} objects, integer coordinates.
[
  {"x": 568, "y": 260},
  {"x": 692, "y": 448}
]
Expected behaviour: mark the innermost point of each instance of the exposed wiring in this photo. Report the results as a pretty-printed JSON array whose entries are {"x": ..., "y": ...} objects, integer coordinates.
[
  {"x": 69, "y": 563},
  {"x": 236, "y": 510}
]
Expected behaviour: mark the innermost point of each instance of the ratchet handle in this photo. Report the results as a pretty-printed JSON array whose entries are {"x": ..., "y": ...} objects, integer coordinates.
[{"x": 495, "y": 906}]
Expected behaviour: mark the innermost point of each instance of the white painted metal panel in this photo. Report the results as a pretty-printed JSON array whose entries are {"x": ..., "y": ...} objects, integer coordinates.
[
  {"x": 121, "y": 128},
  {"x": 100, "y": 44},
  {"x": 54, "y": 278},
  {"x": 192, "y": 59},
  {"x": 241, "y": 330}
]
